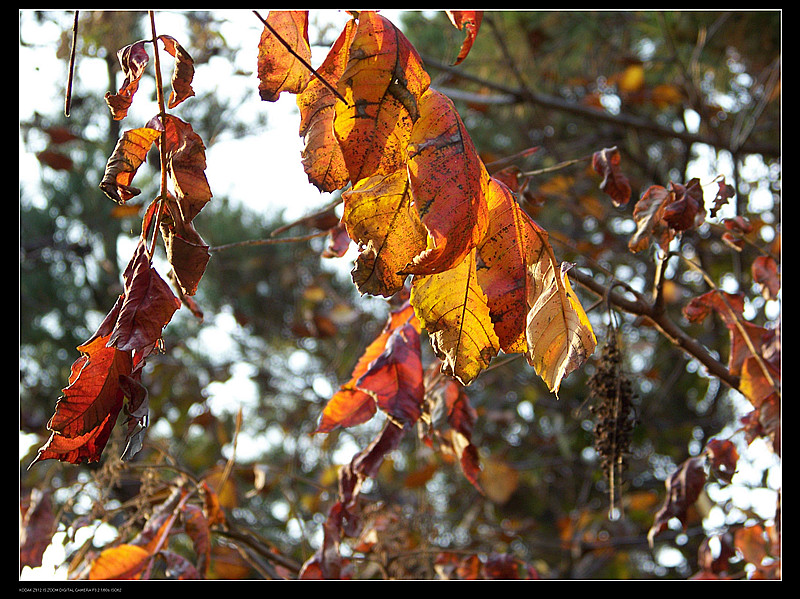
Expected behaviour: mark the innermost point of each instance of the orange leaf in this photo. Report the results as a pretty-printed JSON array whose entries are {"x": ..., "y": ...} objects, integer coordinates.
[
  {"x": 381, "y": 85},
  {"x": 352, "y": 405},
  {"x": 394, "y": 379},
  {"x": 379, "y": 217},
  {"x": 278, "y": 70},
  {"x": 560, "y": 337},
  {"x": 123, "y": 562},
  {"x": 471, "y": 20},
  {"x": 448, "y": 184},
  {"x": 129, "y": 154},
  {"x": 322, "y": 157},
  {"x": 512, "y": 242},
  {"x": 454, "y": 310}
]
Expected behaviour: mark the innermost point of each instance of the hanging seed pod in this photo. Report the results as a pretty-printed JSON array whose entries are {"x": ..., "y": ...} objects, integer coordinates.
[{"x": 614, "y": 415}]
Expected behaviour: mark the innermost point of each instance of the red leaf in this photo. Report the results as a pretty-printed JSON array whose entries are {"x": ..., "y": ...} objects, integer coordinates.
[
  {"x": 86, "y": 413},
  {"x": 471, "y": 20},
  {"x": 394, "y": 379},
  {"x": 683, "y": 489},
  {"x": 355, "y": 404},
  {"x": 147, "y": 305},
  {"x": 183, "y": 74},
  {"x": 186, "y": 161},
  {"x": 765, "y": 274},
  {"x": 133, "y": 59},
  {"x": 36, "y": 529},
  {"x": 448, "y": 184},
  {"x": 722, "y": 458},
  {"x": 615, "y": 183}
]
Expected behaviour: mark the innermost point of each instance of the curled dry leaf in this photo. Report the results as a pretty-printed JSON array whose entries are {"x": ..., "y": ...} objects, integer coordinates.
[
  {"x": 683, "y": 488},
  {"x": 662, "y": 213},
  {"x": 380, "y": 218},
  {"x": 182, "y": 75},
  {"x": 559, "y": 335},
  {"x": 469, "y": 20},
  {"x": 615, "y": 183},
  {"x": 322, "y": 158},
  {"x": 129, "y": 154},
  {"x": 133, "y": 59},
  {"x": 278, "y": 69}
]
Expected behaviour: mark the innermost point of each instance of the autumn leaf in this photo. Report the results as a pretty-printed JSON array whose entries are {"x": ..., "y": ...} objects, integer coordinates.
[
  {"x": 615, "y": 183},
  {"x": 182, "y": 75},
  {"x": 186, "y": 164},
  {"x": 133, "y": 59},
  {"x": 451, "y": 419},
  {"x": 187, "y": 253},
  {"x": 381, "y": 86},
  {"x": 662, "y": 213},
  {"x": 129, "y": 154},
  {"x": 560, "y": 337},
  {"x": 352, "y": 404},
  {"x": 322, "y": 158},
  {"x": 448, "y": 184},
  {"x": 86, "y": 412},
  {"x": 454, "y": 311},
  {"x": 722, "y": 458},
  {"x": 765, "y": 274},
  {"x": 683, "y": 488},
  {"x": 37, "y": 525},
  {"x": 146, "y": 308},
  {"x": 469, "y": 20},
  {"x": 394, "y": 378},
  {"x": 724, "y": 193},
  {"x": 512, "y": 242},
  {"x": 380, "y": 218},
  {"x": 278, "y": 69},
  {"x": 123, "y": 562}
]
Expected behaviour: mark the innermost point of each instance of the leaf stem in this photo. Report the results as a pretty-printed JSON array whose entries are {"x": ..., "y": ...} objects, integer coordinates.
[
  {"x": 71, "y": 73},
  {"x": 300, "y": 58},
  {"x": 163, "y": 142}
]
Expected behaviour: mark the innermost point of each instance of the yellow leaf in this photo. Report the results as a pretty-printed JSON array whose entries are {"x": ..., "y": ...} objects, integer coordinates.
[
  {"x": 378, "y": 215},
  {"x": 560, "y": 337},
  {"x": 453, "y": 308}
]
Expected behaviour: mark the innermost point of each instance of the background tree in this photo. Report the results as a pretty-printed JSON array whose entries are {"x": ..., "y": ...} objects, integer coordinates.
[{"x": 675, "y": 93}]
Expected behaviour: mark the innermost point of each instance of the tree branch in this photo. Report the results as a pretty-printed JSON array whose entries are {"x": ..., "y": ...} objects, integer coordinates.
[
  {"x": 641, "y": 307},
  {"x": 523, "y": 96}
]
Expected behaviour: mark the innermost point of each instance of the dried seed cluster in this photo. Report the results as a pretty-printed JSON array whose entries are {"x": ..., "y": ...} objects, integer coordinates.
[{"x": 614, "y": 413}]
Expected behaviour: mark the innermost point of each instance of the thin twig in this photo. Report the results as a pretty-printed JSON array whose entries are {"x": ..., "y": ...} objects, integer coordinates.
[
  {"x": 272, "y": 241},
  {"x": 163, "y": 144},
  {"x": 70, "y": 74},
  {"x": 300, "y": 58}
]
